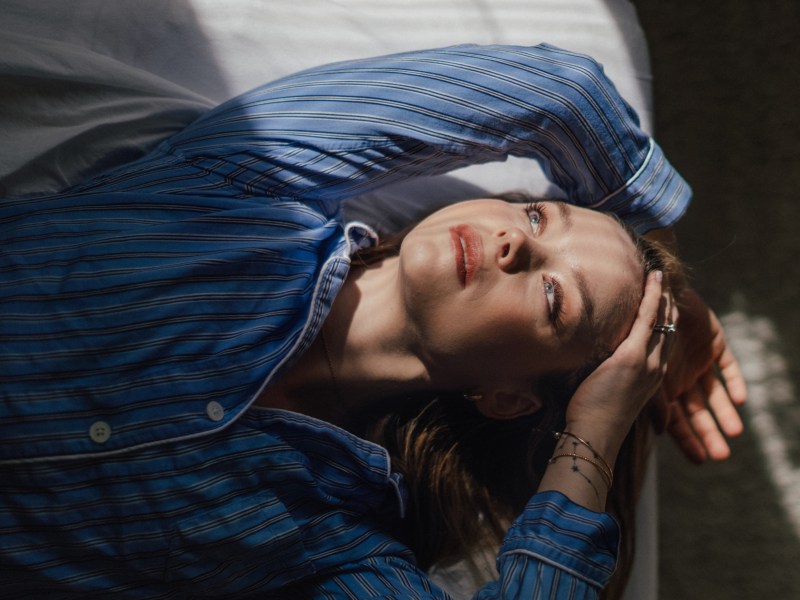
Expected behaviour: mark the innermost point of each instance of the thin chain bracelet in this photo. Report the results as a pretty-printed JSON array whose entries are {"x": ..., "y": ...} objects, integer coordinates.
[
  {"x": 559, "y": 434},
  {"x": 608, "y": 477}
]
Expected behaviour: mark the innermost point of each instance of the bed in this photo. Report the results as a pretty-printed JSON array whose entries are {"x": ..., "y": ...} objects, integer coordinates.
[{"x": 91, "y": 84}]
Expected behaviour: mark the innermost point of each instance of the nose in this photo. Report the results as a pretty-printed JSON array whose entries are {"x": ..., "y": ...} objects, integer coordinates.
[{"x": 515, "y": 250}]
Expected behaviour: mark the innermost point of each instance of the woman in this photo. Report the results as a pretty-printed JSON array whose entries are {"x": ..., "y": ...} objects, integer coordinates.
[{"x": 159, "y": 320}]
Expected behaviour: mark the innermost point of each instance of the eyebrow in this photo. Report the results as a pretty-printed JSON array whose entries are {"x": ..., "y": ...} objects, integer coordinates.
[
  {"x": 566, "y": 214},
  {"x": 587, "y": 301}
]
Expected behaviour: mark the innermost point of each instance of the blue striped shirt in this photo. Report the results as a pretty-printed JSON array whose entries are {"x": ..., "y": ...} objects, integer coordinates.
[{"x": 145, "y": 310}]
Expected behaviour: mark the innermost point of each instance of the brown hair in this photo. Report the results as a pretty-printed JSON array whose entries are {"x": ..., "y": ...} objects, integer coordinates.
[{"x": 469, "y": 476}]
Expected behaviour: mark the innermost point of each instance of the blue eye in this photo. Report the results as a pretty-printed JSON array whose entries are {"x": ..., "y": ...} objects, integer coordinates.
[
  {"x": 550, "y": 293},
  {"x": 555, "y": 303},
  {"x": 536, "y": 217}
]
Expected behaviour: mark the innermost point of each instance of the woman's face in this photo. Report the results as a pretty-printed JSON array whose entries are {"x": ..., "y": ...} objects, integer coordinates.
[{"x": 501, "y": 292}]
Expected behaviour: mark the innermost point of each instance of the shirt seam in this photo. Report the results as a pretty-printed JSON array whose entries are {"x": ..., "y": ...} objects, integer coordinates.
[
  {"x": 644, "y": 166},
  {"x": 560, "y": 566}
]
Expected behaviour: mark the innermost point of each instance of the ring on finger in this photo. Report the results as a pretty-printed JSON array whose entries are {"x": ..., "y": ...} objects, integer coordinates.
[{"x": 665, "y": 328}]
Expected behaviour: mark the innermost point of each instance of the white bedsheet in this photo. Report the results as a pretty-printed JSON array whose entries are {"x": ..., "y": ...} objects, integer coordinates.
[{"x": 91, "y": 82}]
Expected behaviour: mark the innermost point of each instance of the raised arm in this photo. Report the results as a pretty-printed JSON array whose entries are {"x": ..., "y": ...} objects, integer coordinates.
[
  {"x": 578, "y": 546},
  {"x": 343, "y": 129}
]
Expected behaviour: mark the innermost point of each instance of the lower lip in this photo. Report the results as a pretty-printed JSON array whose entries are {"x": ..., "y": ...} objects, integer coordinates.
[{"x": 467, "y": 247}]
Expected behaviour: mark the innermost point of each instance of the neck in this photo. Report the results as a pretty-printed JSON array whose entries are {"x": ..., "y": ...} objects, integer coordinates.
[{"x": 362, "y": 356}]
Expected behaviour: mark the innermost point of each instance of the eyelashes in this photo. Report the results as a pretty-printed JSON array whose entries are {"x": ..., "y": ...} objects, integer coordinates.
[
  {"x": 555, "y": 300},
  {"x": 537, "y": 214}
]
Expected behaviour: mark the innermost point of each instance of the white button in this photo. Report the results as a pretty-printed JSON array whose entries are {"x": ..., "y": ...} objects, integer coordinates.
[
  {"x": 100, "y": 431},
  {"x": 215, "y": 411}
]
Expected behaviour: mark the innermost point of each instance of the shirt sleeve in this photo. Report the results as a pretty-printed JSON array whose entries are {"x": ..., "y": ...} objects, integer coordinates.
[
  {"x": 347, "y": 128},
  {"x": 556, "y": 550}
]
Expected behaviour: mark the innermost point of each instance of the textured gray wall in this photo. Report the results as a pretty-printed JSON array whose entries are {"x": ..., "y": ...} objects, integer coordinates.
[{"x": 727, "y": 105}]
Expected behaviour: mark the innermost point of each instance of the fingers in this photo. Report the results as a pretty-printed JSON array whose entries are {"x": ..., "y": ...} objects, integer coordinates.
[
  {"x": 703, "y": 418},
  {"x": 661, "y": 344},
  {"x": 705, "y": 426},
  {"x": 670, "y": 316},
  {"x": 728, "y": 366},
  {"x": 642, "y": 329},
  {"x": 731, "y": 374},
  {"x": 658, "y": 306},
  {"x": 704, "y": 384},
  {"x": 722, "y": 405},
  {"x": 684, "y": 436}
]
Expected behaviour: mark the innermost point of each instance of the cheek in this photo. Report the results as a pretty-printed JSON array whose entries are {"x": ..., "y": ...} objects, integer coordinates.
[
  {"x": 423, "y": 271},
  {"x": 507, "y": 330},
  {"x": 533, "y": 343},
  {"x": 478, "y": 333}
]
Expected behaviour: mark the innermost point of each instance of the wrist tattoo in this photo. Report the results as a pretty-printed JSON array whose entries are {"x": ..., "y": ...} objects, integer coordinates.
[
  {"x": 575, "y": 468},
  {"x": 596, "y": 460}
]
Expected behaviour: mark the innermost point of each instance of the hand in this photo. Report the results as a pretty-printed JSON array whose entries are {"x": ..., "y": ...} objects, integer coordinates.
[
  {"x": 698, "y": 406},
  {"x": 609, "y": 400}
]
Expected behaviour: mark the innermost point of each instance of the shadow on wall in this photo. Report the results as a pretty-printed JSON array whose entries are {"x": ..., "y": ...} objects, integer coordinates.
[{"x": 726, "y": 92}]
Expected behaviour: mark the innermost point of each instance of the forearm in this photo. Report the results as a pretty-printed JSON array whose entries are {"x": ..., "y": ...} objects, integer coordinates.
[{"x": 347, "y": 128}]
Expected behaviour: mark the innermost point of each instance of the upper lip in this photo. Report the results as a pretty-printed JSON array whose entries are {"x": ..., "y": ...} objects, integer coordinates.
[{"x": 468, "y": 252}]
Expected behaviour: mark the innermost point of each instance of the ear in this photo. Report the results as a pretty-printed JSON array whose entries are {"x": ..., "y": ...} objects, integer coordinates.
[{"x": 508, "y": 404}]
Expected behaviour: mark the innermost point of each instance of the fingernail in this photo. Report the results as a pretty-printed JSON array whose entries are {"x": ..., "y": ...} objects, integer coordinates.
[{"x": 659, "y": 276}]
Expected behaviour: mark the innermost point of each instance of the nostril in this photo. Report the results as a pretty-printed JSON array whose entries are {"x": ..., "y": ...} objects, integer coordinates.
[{"x": 504, "y": 250}]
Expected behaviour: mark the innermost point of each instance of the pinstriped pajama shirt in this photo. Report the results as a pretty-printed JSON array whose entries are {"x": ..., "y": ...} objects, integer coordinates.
[{"x": 145, "y": 310}]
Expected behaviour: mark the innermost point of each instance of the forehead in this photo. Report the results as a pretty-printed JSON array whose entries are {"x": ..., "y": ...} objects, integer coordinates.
[
  {"x": 584, "y": 229},
  {"x": 606, "y": 267}
]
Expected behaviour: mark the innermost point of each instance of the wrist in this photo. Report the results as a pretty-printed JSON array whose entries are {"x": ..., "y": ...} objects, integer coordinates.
[
  {"x": 604, "y": 440},
  {"x": 575, "y": 447},
  {"x": 581, "y": 466}
]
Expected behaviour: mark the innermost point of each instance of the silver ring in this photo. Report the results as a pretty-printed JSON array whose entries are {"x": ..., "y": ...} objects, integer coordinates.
[{"x": 665, "y": 329}]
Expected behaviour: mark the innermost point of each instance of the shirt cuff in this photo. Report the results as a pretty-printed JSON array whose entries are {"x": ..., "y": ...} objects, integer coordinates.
[
  {"x": 655, "y": 196},
  {"x": 555, "y": 530}
]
